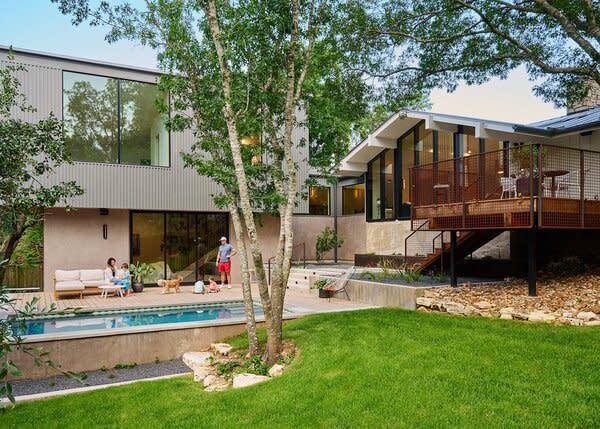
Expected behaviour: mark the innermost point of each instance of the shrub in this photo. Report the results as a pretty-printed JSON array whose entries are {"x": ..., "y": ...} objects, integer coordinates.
[{"x": 327, "y": 241}]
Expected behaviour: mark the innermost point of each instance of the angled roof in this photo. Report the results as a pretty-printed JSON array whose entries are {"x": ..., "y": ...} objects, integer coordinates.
[
  {"x": 386, "y": 135},
  {"x": 572, "y": 122}
]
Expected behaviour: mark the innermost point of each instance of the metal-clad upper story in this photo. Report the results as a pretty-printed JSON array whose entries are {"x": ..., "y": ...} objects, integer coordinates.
[{"x": 118, "y": 185}]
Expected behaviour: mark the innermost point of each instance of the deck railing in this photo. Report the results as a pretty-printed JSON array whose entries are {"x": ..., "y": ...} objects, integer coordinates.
[{"x": 517, "y": 187}]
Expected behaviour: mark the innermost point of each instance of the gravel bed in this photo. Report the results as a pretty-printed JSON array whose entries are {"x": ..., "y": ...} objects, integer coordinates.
[{"x": 97, "y": 378}]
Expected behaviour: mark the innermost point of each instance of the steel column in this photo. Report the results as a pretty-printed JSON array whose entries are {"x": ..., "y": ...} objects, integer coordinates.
[
  {"x": 453, "y": 280},
  {"x": 532, "y": 261}
]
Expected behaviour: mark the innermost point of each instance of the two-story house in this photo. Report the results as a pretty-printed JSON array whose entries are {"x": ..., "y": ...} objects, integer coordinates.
[{"x": 139, "y": 202}]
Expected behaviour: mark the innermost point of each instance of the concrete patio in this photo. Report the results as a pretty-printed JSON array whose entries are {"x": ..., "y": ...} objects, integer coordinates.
[{"x": 296, "y": 301}]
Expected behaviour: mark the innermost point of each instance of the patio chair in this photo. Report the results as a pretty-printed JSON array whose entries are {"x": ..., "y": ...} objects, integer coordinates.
[
  {"x": 338, "y": 284},
  {"x": 509, "y": 187}
]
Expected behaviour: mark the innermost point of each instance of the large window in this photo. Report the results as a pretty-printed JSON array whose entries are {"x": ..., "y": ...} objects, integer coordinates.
[
  {"x": 175, "y": 243},
  {"x": 113, "y": 121},
  {"x": 318, "y": 200},
  {"x": 353, "y": 199},
  {"x": 388, "y": 193}
]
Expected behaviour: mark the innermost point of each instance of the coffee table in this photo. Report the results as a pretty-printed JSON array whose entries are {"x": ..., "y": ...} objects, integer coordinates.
[{"x": 105, "y": 289}]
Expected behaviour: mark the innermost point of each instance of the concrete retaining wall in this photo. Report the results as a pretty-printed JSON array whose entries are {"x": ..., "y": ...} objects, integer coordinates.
[
  {"x": 87, "y": 354},
  {"x": 384, "y": 295}
]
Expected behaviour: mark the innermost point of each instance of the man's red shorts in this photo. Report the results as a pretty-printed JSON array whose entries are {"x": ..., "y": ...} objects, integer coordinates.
[{"x": 225, "y": 267}]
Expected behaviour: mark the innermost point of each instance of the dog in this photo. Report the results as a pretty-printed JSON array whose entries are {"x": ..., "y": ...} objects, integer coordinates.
[{"x": 167, "y": 285}]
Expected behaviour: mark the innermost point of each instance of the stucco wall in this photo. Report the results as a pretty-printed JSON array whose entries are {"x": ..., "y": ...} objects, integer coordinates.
[
  {"x": 306, "y": 228},
  {"x": 386, "y": 237},
  {"x": 353, "y": 229},
  {"x": 73, "y": 240}
]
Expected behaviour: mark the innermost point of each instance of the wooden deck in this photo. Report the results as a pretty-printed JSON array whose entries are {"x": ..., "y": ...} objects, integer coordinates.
[{"x": 511, "y": 213}]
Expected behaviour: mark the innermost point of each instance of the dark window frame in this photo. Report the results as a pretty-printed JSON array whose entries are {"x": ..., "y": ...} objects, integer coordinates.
[
  {"x": 328, "y": 199},
  {"x": 364, "y": 198},
  {"x": 119, "y": 143},
  {"x": 164, "y": 252}
]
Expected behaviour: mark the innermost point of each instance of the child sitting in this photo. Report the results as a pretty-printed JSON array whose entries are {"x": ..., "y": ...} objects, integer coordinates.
[
  {"x": 212, "y": 285},
  {"x": 124, "y": 278}
]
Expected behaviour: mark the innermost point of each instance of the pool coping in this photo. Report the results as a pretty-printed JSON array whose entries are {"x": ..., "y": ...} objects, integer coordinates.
[{"x": 95, "y": 333}]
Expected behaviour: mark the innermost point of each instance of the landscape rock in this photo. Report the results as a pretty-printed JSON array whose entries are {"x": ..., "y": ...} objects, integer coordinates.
[
  {"x": 483, "y": 305},
  {"x": 199, "y": 362},
  {"x": 592, "y": 323},
  {"x": 453, "y": 307},
  {"x": 209, "y": 379},
  {"x": 540, "y": 316},
  {"x": 276, "y": 370},
  {"x": 216, "y": 384},
  {"x": 222, "y": 349},
  {"x": 424, "y": 302},
  {"x": 244, "y": 380},
  {"x": 586, "y": 316},
  {"x": 506, "y": 316}
]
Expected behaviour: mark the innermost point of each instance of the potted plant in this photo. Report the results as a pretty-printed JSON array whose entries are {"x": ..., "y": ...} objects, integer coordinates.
[
  {"x": 324, "y": 290},
  {"x": 139, "y": 271}
]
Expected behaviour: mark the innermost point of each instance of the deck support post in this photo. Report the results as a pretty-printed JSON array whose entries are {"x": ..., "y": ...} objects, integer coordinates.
[
  {"x": 532, "y": 261},
  {"x": 453, "y": 281}
]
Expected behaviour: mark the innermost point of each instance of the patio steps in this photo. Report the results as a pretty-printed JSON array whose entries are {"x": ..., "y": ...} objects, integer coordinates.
[{"x": 299, "y": 277}]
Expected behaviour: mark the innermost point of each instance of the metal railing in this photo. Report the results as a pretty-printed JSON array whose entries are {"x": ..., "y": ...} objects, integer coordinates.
[{"x": 517, "y": 187}]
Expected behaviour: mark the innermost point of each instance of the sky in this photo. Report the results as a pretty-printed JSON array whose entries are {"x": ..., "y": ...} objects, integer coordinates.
[{"x": 38, "y": 25}]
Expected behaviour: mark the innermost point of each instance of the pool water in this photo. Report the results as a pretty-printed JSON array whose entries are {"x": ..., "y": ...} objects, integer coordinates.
[{"x": 103, "y": 320}]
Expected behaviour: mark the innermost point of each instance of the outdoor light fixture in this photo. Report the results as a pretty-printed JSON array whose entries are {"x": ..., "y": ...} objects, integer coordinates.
[{"x": 105, "y": 231}]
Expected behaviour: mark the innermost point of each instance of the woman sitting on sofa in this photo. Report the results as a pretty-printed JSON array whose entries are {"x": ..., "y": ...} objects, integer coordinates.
[{"x": 110, "y": 273}]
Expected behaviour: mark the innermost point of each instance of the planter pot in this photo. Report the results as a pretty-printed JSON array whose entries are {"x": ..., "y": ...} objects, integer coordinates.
[
  {"x": 325, "y": 293},
  {"x": 137, "y": 287}
]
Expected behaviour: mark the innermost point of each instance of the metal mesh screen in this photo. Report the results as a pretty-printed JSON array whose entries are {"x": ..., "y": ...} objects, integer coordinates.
[{"x": 509, "y": 189}]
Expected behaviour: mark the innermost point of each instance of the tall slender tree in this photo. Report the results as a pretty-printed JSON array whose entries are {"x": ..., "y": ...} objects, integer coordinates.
[{"x": 237, "y": 74}]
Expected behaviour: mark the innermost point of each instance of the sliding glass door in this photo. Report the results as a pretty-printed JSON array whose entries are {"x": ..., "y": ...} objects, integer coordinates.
[{"x": 177, "y": 243}]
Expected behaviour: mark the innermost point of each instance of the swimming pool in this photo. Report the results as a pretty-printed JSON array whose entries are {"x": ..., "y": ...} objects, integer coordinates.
[{"x": 130, "y": 318}]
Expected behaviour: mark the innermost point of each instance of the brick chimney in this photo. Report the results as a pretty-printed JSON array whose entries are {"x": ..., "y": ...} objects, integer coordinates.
[{"x": 592, "y": 99}]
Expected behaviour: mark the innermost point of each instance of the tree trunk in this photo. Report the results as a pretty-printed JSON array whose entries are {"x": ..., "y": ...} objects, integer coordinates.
[
  {"x": 245, "y": 205},
  {"x": 241, "y": 237},
  {"x": 9, "y": 247}
]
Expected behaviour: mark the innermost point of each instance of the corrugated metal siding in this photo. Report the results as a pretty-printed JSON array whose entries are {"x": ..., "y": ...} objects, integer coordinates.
[{"x": 125, "y": 186}]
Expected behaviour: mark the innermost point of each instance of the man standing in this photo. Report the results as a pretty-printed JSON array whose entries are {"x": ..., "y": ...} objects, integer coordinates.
[{"x": 226, "y": 251}]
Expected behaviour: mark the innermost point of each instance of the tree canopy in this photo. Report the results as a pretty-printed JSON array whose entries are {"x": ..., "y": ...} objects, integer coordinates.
[
  {"x": 28, "y": 152},
  {"x": 439, "y": 42}
]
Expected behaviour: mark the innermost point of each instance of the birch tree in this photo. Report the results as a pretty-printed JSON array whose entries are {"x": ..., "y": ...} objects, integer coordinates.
[{"x": 237, "y": 71}]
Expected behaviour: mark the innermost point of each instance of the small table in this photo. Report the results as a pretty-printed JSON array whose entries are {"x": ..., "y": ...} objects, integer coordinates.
[
  {"x": 105, "y": 289},
  {"x": 553, "y": 174}
]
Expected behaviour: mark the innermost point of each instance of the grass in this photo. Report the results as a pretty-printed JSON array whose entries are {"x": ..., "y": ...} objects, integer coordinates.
[{"x": 373, "y": 368}]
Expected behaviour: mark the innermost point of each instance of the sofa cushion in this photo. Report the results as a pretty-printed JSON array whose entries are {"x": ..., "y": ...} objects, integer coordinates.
[
  {"x": 94, "y": 283},
  {"x": 91, "y": 275},
  {"x": 64, "y": 275},
  {"x": 69, "y": 285}
]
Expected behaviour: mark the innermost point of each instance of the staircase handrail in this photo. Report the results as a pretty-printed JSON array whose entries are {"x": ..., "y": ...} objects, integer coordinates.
[{"x": 409, "y": 236}]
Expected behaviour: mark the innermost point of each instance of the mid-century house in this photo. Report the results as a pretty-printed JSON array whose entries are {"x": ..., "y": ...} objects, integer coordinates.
[
  {"x": 434, "y": 188},
  {"x": 140, "y": 203},
  {"x": 439, "y": 184}
]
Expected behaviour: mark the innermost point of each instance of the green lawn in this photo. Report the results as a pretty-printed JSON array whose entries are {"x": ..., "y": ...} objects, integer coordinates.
[{"x": 373, "y": 368}]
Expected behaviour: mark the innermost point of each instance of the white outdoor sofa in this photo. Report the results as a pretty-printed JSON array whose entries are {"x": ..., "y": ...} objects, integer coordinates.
[{"x": 78, "y": 282}]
